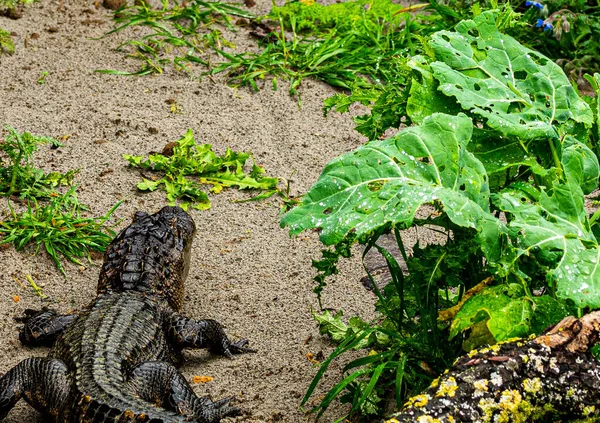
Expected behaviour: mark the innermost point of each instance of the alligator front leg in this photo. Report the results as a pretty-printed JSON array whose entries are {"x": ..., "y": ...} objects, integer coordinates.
[
  {"x": 42, "y": 327},
  {"x": 43, "y": 382},
  {"x": 160, "y": 383},
  {"x": 184, "y": 332}
]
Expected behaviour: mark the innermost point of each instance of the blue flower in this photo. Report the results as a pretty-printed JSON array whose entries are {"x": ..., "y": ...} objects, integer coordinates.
[
  {"x": 535, "y": 4},
  {"x": 548, "y": 27},
  {"x": 540, "y": 23}
]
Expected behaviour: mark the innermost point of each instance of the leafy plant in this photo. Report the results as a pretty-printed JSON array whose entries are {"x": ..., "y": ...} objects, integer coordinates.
[
  {"x": 59, "y": 227},
  {"x": 407, "y": 347},
  {"x": 181, "y": 33},
  {"x": 6, "y": 42},
  {"x": 13, "y": 4},
  {"x": 567, "y": 32},
  {"x": 189, "y": 159},
  {"x": 353, "y": 45},
  {"x": 500, "y": 133},
  {"x": 18, "y": 176},
  {"x": 51, "y": 219}
]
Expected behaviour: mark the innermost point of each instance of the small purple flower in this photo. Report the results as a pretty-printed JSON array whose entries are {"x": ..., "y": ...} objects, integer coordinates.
[{"x": 535, "y": 4}]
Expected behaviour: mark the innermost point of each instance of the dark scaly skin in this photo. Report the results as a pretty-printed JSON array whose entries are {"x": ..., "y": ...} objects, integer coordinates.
[{"x": 115, "y": 361}]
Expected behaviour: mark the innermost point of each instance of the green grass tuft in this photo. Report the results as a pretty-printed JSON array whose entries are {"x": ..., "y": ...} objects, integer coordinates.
[
  {"x": 52, "y": 219},
  {"x": 59, "y": 226},
  {"x": 181, "y": 34}
]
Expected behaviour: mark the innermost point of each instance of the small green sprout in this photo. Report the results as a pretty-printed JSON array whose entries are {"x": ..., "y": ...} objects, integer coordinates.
[{"x": 42, "y": 79}]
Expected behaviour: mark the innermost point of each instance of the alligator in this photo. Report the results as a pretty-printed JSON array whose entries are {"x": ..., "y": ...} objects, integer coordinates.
[{"x": 115, "y": 362}]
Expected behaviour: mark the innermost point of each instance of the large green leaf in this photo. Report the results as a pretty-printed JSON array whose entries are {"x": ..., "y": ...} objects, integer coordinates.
[
  {"x": 424, "y": 98},
  {"x": 517, "y": 90},
  {"x": 387, "y": 181},
  {"x": 580, "y": 164},
  {"x": 557, "y": 233},
  {"x": 507, "y": 312},
  {"x": 504, "y": 157},
  {"x": 504, "y": 316}
]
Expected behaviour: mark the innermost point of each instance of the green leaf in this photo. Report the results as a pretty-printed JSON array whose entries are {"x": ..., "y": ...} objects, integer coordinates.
[
  {"x": 595, "y": 84},
  {"x": 505, "y": 309},
  {"x": 507, "y": 313},
  {"x": 239, "y": 180},
  {"x": 134, "y": 160},
  {"x": 557, "y": 233},
  {"x": 548, "y": 312},
  {"x": 331, "y": 325},
  {"x": 148, "y": 185},
  {"x": 580, "y": 164},
  {"x": 518, "y": 91},
  {"x": 504, "y": 157},
  {"x": 187, "y": 159},
  {"x": 387, "y": 181},
  {"x": 424, "y": 97},
  {"x": 6, "y": 42}
]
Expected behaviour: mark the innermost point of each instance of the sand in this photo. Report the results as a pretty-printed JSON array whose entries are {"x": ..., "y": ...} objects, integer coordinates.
[{"x": 246, "y": 271}]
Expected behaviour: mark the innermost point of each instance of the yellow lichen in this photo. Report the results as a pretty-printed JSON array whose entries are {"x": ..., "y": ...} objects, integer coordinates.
[
  {"x": 435, "y": 383},
  {"x": 525, "y": 359},
  {"x": 510, "y": 400},
  {"x": 510, "y": 408},
  {"x": 448, "y": 388},
  {"x": 417, "y": 401},
  {"x": 589, "y": 410},
  {"x": 392, "y": 420},
  {"x": 487, "y": 406},
  {"x": 481, "y": 387},
  {"x": 428, "y": 419},
  {"x": 532, "y": 386},
  {"x": 472, "y": 353}
]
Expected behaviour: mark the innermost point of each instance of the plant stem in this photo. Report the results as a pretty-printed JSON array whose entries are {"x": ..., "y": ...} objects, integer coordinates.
[
  {"x": 555, "y": 157},
  {"x": 13, "y": 177}
]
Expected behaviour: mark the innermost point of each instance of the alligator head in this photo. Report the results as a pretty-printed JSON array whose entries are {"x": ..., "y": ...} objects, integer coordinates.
[{"x": 151, "y": 255}]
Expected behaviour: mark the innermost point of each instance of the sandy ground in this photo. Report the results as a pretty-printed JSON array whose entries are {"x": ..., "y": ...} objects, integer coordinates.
[{"x": 246, "y": 271}]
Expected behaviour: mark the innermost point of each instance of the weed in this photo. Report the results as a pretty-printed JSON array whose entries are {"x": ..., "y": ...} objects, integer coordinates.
[
  {"x": 6, "y": 42},
  {"x": 13, "y": 4},
  {"x": 42, "y": 78},
  {"x": 181, "y": 33},
  {"x": 470, "y": 159},
  {"x": 59, "y": 227},
  {"x": 18, "y": 176},
  {"x": 51, "y": 219},
  {"x": 352, "y": 45},
  {"x": 184, "y": 158}
]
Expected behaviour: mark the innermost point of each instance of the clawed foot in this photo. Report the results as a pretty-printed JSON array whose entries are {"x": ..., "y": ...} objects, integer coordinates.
[
  {"x": 239, "y": 347},
  {"x": 42, "y": 327},
  {"x": 34, "y": 322},
  {"x": 213, "y": 412},
  {"x": 30, "y": 313}
]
